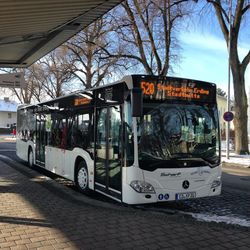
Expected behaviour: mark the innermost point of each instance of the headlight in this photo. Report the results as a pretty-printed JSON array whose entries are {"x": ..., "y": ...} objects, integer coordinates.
[
  {"x": 142, "y": 187},
  {"x": 216, "y": 183}
]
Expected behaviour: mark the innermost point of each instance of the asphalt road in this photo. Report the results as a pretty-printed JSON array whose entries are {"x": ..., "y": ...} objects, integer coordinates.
[{"x": 232, "y": 206}]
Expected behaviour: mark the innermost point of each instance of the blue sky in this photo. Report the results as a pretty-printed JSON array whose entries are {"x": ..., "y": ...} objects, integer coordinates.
[{"x": 205, "y": 57}]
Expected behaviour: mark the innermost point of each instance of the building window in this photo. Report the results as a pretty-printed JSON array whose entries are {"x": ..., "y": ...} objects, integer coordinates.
[{"x": 9, "y": 115}]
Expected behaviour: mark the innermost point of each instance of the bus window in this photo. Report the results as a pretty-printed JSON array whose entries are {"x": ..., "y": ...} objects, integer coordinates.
[
  {"x": 64, "y": 132},
  {"x": 128, "y": 136},
  {"x": 79, "y": 131},
  {"x": 83, "y": 123},
  {"x": 26, "y": 125}
]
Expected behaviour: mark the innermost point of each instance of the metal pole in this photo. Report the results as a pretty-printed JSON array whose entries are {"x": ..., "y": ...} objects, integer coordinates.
[{"x": 228, "y": 86}]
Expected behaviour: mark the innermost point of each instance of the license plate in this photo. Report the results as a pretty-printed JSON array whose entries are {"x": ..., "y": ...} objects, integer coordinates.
[{"x": 185, "y": 196}]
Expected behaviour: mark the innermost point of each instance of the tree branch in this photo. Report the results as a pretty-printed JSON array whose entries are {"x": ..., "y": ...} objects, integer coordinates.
[
  {"x": 138, "y": 37},
  {"x": 238, "y": 16},
  {"x": 245, "y": 9},
  {"x": 245, "y": 62},
  {"x": 150, "y": 35}
]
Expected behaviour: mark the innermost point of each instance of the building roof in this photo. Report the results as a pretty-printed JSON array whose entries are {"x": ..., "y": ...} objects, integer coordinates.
[
  {"x": 31, "y": 29},
  {"x": 8, "y": 106}
]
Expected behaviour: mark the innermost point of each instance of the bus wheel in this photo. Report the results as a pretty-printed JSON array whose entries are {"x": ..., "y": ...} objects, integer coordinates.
[
  {"x": 82, "y": 178},
  {"x": 31, "y": 158}
]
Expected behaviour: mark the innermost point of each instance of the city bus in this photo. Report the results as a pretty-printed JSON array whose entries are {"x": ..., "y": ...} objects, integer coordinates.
[{"x": 143, "y": 139}]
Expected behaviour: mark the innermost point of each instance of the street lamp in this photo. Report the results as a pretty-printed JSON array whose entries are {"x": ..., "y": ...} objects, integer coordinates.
[{"x": 228, "y": 86}]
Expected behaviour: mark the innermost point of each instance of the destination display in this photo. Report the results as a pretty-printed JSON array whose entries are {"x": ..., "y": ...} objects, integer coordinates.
[
  {"x": 81, "y": 101},
  {"x": 178, "y": 90}
]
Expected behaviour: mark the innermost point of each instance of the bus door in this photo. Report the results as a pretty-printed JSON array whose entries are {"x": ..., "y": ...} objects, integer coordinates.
[
  {"x": 40, "y": 140},
  {"x": 108, "y": 154}
]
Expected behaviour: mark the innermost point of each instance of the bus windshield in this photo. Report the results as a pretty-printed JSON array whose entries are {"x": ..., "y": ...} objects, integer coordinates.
[{"x": 178, "y": 135}]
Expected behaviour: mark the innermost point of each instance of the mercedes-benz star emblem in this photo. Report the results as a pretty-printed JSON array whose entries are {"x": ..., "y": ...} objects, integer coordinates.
[{"x": 185, "y": 184}]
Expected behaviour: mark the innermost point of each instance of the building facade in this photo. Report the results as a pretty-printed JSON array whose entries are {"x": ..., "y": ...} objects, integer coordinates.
[
  {"x": 8, "y": 113},
  {"x": 222, "y": 108}
]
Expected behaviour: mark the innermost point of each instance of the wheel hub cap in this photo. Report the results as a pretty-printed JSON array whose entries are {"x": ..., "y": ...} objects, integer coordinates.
[{"x": 82, "y": 178}]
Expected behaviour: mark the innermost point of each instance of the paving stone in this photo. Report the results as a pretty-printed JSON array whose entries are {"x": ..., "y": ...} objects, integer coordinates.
[
  {"x": 8, "y": 244},
  {"x": 19, "y": 247}
]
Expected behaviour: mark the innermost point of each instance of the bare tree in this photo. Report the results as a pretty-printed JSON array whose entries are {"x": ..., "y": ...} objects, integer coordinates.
[
  {"x": 86, "y": 52},
  {"x": 221, "y": 92},
  {"x": 147, "y": 33},
  {"x": 238, "y": 67},
  {"x": 55, "y": 73}
]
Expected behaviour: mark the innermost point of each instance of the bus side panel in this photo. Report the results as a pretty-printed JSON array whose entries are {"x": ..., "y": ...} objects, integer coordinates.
[
  {"x": 22, "y": 148},
  {"x": 62, "y": 162},
  {"x": 54, "y": 160}
]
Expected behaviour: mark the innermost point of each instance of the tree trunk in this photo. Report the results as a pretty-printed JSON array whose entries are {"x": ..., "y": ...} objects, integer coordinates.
[
  {"x": 240, "y": 108},
  {"x": 240, "y": 8}
]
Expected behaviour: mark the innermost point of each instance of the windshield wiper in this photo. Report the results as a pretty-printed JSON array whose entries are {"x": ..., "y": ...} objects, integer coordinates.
[
  {"x": 181, "y": 156},
  {"x": 192, "y": 157},
  {"x": 150, "y": 156}
]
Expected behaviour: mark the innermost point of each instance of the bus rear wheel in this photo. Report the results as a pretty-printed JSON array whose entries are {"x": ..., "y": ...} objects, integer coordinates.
[
  {"x": 82, "y": 178},
  {"x": 31, "y": 158}
]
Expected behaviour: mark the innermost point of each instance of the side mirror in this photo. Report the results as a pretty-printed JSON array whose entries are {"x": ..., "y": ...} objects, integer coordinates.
[{"x": 136, "y": 102}]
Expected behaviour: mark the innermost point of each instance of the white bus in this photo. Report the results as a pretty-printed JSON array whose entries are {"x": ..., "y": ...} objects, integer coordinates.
[{"x": 140, "y": 140}]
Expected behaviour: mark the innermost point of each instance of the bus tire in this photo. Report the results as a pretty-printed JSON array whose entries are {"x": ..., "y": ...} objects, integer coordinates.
[
  {"x": 31, "y": 158},
  {"x": 82, "y": 178}
]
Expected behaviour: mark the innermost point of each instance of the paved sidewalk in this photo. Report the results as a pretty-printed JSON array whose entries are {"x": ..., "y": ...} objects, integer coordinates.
[
  {"x": 236, "y": 160},
  {"x": 35, "y": 215}
]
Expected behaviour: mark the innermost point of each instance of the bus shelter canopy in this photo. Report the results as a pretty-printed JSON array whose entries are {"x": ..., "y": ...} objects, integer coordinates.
[{"x": 31, "y": 29}]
